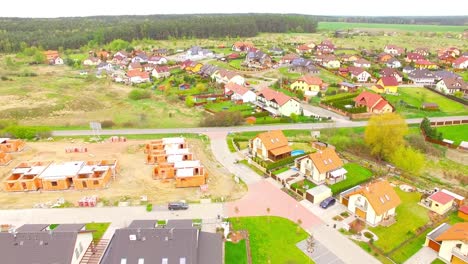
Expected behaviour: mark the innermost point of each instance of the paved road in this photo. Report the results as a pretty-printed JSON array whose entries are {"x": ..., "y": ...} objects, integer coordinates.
[
  {"x": 198, "y": 130},
  {"x": 325, "y": 113}
]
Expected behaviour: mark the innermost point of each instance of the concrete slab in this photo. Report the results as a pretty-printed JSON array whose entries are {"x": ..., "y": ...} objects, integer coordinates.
[
  {"x": 424, "y": 255},
  {"x": 321, "y": 254}
]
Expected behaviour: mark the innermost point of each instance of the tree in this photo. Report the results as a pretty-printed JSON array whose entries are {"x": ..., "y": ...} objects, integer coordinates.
[
  {"x": 408, "y": 159},
  {"x": 384, "y": 134},
  {"x": 268, "y": 213},
  {"x": 299, "y": 223},
  {"x": 300, "y": 94},
  {"x": 310, "y": 242},
  {"x": 189, "y": 101},
  {"x": 201, "y": 87}
]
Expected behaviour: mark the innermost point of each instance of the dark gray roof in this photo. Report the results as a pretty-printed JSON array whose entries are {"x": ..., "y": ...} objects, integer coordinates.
[
  {"x": 38, "y": 247},
  {"x": 153, "y": 245},
  {"x": 143, "y": 224},
  {"x": 31, "y": 228},
  {"x": 421, "y": 74},
  {"x": 69, "y": 227},
  {"x": 179, "y": 224},
  {"x": 438, "y": 231},
  {"x": 442, "y": 74}
]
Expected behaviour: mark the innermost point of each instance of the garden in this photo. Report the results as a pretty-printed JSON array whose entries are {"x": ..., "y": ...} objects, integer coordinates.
[
  {"x": 344, "y": 102},
  {"x": 356, "y": 175},
  {"x": 457, "y": 133}
]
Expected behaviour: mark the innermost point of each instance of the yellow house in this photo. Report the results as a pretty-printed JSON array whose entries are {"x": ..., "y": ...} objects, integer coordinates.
[
  {"x": 450, "y": 242},
  {"x": 441, "y": 202},
  {"x": 310, "y": 85},
  {"x": 387, "y": 84}
]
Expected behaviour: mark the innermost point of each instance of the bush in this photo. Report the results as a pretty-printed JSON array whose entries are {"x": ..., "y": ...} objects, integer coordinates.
[
  {"x": 149, "y": 207},
  {"x": 283, "y": 162},
  {"x": 107, "y": 124},
  {"x": 138, "y": 94},
  {"x": 25, "y": 132}
]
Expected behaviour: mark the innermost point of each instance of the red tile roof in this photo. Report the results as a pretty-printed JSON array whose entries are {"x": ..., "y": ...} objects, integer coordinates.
[
  {"x": 389, "y": 81},
  {"x": 273, "y": 95},
  {"x": 441, "y": 197},
  {"x": 238, "y": 89},
  {"x": 311, "y": 80},
  {"x": 136, "y": 72},
  {"x": 464, "y": 209},
  {"x": 368, "y": 99},
  {"x": 460, "y": 60},
  {"x": 424, "y": 62}
]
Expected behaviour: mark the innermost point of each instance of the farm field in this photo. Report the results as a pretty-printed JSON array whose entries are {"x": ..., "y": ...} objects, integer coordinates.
[
  {"x": 455, "y": 133},
  {"x": 415, "y": 96},
  {"x": 132, "y": 181},
  {"x": 326, "y": 26}
]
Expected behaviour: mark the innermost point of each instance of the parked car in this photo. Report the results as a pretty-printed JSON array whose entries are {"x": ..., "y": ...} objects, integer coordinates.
[
  {"x": 327, "y": 202},
  {"x": 177, "y": 206}
]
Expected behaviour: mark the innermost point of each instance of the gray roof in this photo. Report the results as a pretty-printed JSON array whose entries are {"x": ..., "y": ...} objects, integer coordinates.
[
  {"x": 38, "y": 247},
  {"x": 143, "y": 224},
  {"x": 154, "y": 244},
  {"x": 442, "y": 74},
  {"x": 31, "y": 228},
  {"x": 179, "y": 224},
  {"x": 69, "y": 227},
  {"x": 438, "y": 231},
  {"x": 421, "y": 74}
]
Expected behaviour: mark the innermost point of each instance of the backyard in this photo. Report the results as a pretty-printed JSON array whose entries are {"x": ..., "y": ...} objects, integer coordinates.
[
  {"x": 245, "y": 109},
  {"x": 356, "y": 175},
  {"x": 264, "y": 232},
  {"x": 415, "y": 96},
  {"x": 455, "y": 133},
  {"x": 236, "y": 253}
]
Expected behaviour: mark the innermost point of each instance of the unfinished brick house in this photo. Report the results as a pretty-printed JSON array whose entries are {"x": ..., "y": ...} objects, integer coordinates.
[
  {"x": 5, "y": 158},
  {"x": 188, "y": 173},
  {"x": 166, "y": 143},
  {"x": 11, "y": 145},
  {"x": 168, "y": 155},
  {"x": 61, "y": 176}
]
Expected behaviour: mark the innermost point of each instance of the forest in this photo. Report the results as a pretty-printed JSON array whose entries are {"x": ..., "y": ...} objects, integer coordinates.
[{"x": 74, "y": 32}]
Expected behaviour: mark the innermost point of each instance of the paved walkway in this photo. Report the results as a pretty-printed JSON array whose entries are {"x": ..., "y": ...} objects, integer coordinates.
[
  {"x": 321, "y": 254},
  {"x": 423, "y": 256}
]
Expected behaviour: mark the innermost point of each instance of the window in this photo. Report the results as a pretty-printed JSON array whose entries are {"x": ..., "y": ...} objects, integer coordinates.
[
  {"x": 77, "y": 253},
  {"x": 141, "y": 261},
  {"x": 96, "y": 182},
  {"x": 458, "y": 246},
  {"x": 164, "y": 261},
  {"x": 80, "y": 247},
  {"x": 54, "y": 183},
  {"x": 182, "y": 261}
]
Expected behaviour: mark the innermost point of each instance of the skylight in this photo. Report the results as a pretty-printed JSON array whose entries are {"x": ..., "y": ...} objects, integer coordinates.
[
  {"x": 387, "y": 197},
  {"x": 382, "y": 199},
  {"x": 141, "y": 261},
  {"x": 123, "y": 261},
  {"x": 164, "y": 261}
]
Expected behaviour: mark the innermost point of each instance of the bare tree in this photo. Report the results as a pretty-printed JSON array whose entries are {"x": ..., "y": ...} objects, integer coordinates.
[
  {"x": 268, "y": 214},
  {"x": 310, "y": 242}
]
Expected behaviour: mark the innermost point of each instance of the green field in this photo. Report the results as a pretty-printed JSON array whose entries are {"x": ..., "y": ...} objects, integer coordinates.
[
  {"x": 356, "y": 175},
  {"x": 415, "y": 96},
  {"x": 327, "y": 26},
  {"x": 455, "y": 133},
  {"x": 235, "y": 253},
  {"x": 266, "y": 247}
]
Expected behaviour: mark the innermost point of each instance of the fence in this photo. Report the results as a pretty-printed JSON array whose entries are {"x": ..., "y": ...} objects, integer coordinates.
[
  {"x": 449, "y": 96},
  {"x": 343, "y": 113}
]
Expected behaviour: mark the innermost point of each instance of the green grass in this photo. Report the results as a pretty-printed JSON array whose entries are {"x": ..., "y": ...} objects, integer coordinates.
[
  {"x": 453, "y": 218},
  {"x": 409, "y": 249},
  {"x": 369, "y": 250},
  {"x": 246, "y": 163},
  {"x": 437, "y": 261},
  {"x": 356, "y": 175},
  {"x": 415, "y": 96},
  {"x": 410, "y": 216},
  {"x": 273, "y": 238},
  {"x": 332, "y": 26},
  {"x": 236, "y": 63},
  {"x": 245, "y": 109},
  {"x": 53, "y": 226},
  {"x": 100, "y": 229},
  {"x": 455, "y": 133},
  {"x": 292, "y": 75},
  {"x": 329, "y": 77},
  {"x": 235, "y": 253},
  {"x": 281, "y": 170},
  {"x": 301, "y": 185}
]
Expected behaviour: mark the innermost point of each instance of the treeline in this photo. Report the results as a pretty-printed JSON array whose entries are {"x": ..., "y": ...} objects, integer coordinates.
[
  {"x": 74, "y": 32},
  {"x": 419, "y": 20}
]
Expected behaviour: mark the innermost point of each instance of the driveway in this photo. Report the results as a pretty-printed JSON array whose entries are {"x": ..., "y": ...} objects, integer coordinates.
[
  {"x": 423, "y": 256},
  {"x": 321, "y": 254},
  {"x": 324, "y": 112}
]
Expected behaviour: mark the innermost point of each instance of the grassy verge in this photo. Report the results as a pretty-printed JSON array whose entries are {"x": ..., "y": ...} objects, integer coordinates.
[
  {"x": 372, "y": 252},
  {"x": 246, "y": 163},
  {"x": 235, "y": 253},
  {"x": 99, "y": 230}
]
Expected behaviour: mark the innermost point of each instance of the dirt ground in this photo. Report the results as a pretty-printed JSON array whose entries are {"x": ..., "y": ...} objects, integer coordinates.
[{"x": 133, "y": 180}]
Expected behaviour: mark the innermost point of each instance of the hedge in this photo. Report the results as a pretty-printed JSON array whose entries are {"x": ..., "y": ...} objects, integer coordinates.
[
  {"x": 25, "y": 132},
  {"x": 340, "y": 97},
  {"x": 283, "y": 162}
]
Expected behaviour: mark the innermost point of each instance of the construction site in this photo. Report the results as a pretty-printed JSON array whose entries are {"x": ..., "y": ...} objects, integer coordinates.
[{"x": 114, "y": 171}]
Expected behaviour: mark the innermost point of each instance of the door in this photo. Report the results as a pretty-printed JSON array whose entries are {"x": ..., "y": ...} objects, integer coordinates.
[
  {"x": 434, "y": 245},
  {"x": 23, "y": 185},
  {"x": 85, "y": 184},
  {"x": 345, "y": 201},
  {"x": 457, "y": 260},
  {"x": 360, "y": 213},
  {"x": 310, "y": 197}
]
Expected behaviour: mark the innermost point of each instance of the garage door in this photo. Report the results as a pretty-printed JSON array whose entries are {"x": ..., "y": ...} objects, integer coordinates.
[
  {"x": 310, "y": 197},
  {"x": 456, "y": 260},
  {"x": 360, "y": 213},
  {"x": 434, "y": 245},
  {"x": 345, "y": 201}
]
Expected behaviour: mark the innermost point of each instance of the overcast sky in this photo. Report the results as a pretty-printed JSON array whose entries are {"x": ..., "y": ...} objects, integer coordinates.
[{"x": 66, "y": 8}]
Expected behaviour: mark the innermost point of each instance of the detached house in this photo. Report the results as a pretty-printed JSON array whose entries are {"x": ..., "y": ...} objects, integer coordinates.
[
  {"x": 156, "y": 60},
  {"x": 331, "y": 62},
  {"x": 412, "y": 57},
  {"x": 422, "y": 76},
  {"x": 387, "y": 72},
  {"x": 303, "y": 49},
  {"x": 450, "y": 242},
  {"x": 310, "y": 85},
  {"x": 451, "y": 85},
  {"x": 362, "y": 63},
  {"x": 384, "y": 57},
  {"x": 226, "y": 76},
  {"x": 386, "y": 85},
  {"x": 394, "y": 50},
  {"x": 257, "y": 59},
  {"x": 359, "y": 73},
  {"x": 374, "y": 103},
  {"x": 241, "y": 46},
  {"x": 425, "y": 64},
  {"x": 288, "y": 58},
  {"x": 423, "y": 51},
  {"x": 160, "y": 72},
  {"x": 303, "y": 66},
  {"x": 137, "y": 76},
  {"x": 460, "y": 63},
  {"x": 393, "y": 63},
  {"x": 92, "y": 61},
  {"x": 277, "y": 103},
  {"x": 198, "y": 53},
  {"x": 323, "y": 166},
  {"x": 239, "y": 93},
  {"x": 443, "y": 201},
  {"x": 271, "y": 145},
  {"x": 374, "y": 202},
  {"x": 53, "y": 57}
]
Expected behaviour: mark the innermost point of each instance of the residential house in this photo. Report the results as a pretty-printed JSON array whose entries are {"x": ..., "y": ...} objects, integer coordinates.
[
  {"x": 53, "y": 57},
  {"x": 303, "y": 49},
  {"x": 207, "y": 70},
  {"x": 160, "y": 72},
  {"x": 276, "y": 51},
  {"x": 451, "y": 86},
  {"x": 9, "y": 145},
  {"x": 387, "y": 72},
  {"x": 239, "y": 93},
  {"x": 277, "y": 103},
  {"x": 121, "y": 54},
  {"x": 331, "y": 62},
  {"x": 450, "y": 242},
  {"x": 374, "y": 202},
  {"x": 421, "y": 77},
  {"x": 103, "y": 55},
  {"x": 191, "y": 66},
  {"x": 348, "y": 87},
  {"x": 198, "y": 53},
  {"x": 393, "y": 63},
  {"x": 92, "y": 61},
  {"x": 326, "y": 47},
  {"x": 177, "y": 242},
  {"x": 443, "y": 201},
  {"x": 425, "y": 64},
  {"x": 423, "y": 51},
  {"x": 360, "y": 74},
  {"x": 186, "y": 173},
  {"x": 444, "y": 74},
  {"x": 374, "y": 103},
  {"x": 386, "y": 85},
  {"x": 408, "y": 69},
  {"x": 157, "y": 60},
  {"x": 446, "y": 58},
  {"x": 165, "y": 144},
  {"x": 140, "y": 57},
  {"x": 310, "y": 85},
  {"x": 394, "y": 50},
  {"x": 463, "y": 212},
  {"x": 460, "y": 63},
  {"x": 384, "y": 57},
  {"x": 302, "y": 65},
  {"x": 161, "y": 52},
  {"x": 37, "y": 243},
  {"x": 138, "y": 76},
  {"x": 362, "y": 63},
  {"x": 288, "y": 58},
  {"x": 135, "y": 66},
  {"x": 322, "y": 166},
  {"x": 257, "y": 59},
  {"x": 271, "y": 145},
  {"x": 413, "y": 57},
  {"x": 242, "y": 46},
  {"x": 105, "y": 66},
  {"x": 349, "y": 58},
  {"x": 225, "y": 76},
  {"x": 453, "y": 51}
]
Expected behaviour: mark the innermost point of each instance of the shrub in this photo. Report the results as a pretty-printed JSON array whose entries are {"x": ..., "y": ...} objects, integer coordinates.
[
  {"x": 283, "y": 162},
  {"x": 138, "y": 94},
  {"x": 222, "y": 119},
  {"x": 25, "y": 132},
  {"x": 149, "y": 207},
  {"x": 107, "y": 124}
]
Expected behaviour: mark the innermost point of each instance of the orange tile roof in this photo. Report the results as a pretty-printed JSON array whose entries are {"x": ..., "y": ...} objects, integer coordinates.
[
  {"x": 273, "y": 139},
  {"x": 270, "y": 94},
  {"x": 326, "y": 160},
  {"x": 381, "y": 196},
  {"x": 458, "y": 231},
  {"x": 311, "y": 80},
  {"x": 281, "y": 150}
]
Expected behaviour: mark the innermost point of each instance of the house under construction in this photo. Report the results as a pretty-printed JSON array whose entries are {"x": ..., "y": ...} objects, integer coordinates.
[
  {"x": 50, "y": 176},
  {"x": 168, "y": 155},
  {"x": 189, "y": 173},
  {"x": 165, "y": 144},
  {"x": 9, "y": 145},
  {"x": 5, "y": 158}
]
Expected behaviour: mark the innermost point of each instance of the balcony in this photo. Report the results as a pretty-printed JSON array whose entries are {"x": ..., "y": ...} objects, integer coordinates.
[{"x": 457, "y": 253}]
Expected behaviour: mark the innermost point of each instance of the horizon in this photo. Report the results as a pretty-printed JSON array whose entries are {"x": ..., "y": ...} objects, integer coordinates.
[{"x": 362, "y": 8}]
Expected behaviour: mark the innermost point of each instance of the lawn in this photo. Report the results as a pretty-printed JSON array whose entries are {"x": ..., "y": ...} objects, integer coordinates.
[
  {"x": 415, "y": 96},
  {"x": 455, "y": 133},
  {"x": 408, "y": 250},
  {"x": 410, "y": 216},
  {"x": 292, "y": 75},
  {"x": 356, "y": 175},
  {"x": 437, "y": 261},
  {"x": 236, "y": 63},
  {"x": 332, "y": 26},
  {"x": 301, "y": 185},
  {"x": 99, "y": 229},
  {"x": 235, "y": 253},
  {"x": 329, "y": 77},
  {"x": 245, "y": 109},
  {"x": 266, "y": 247}
]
